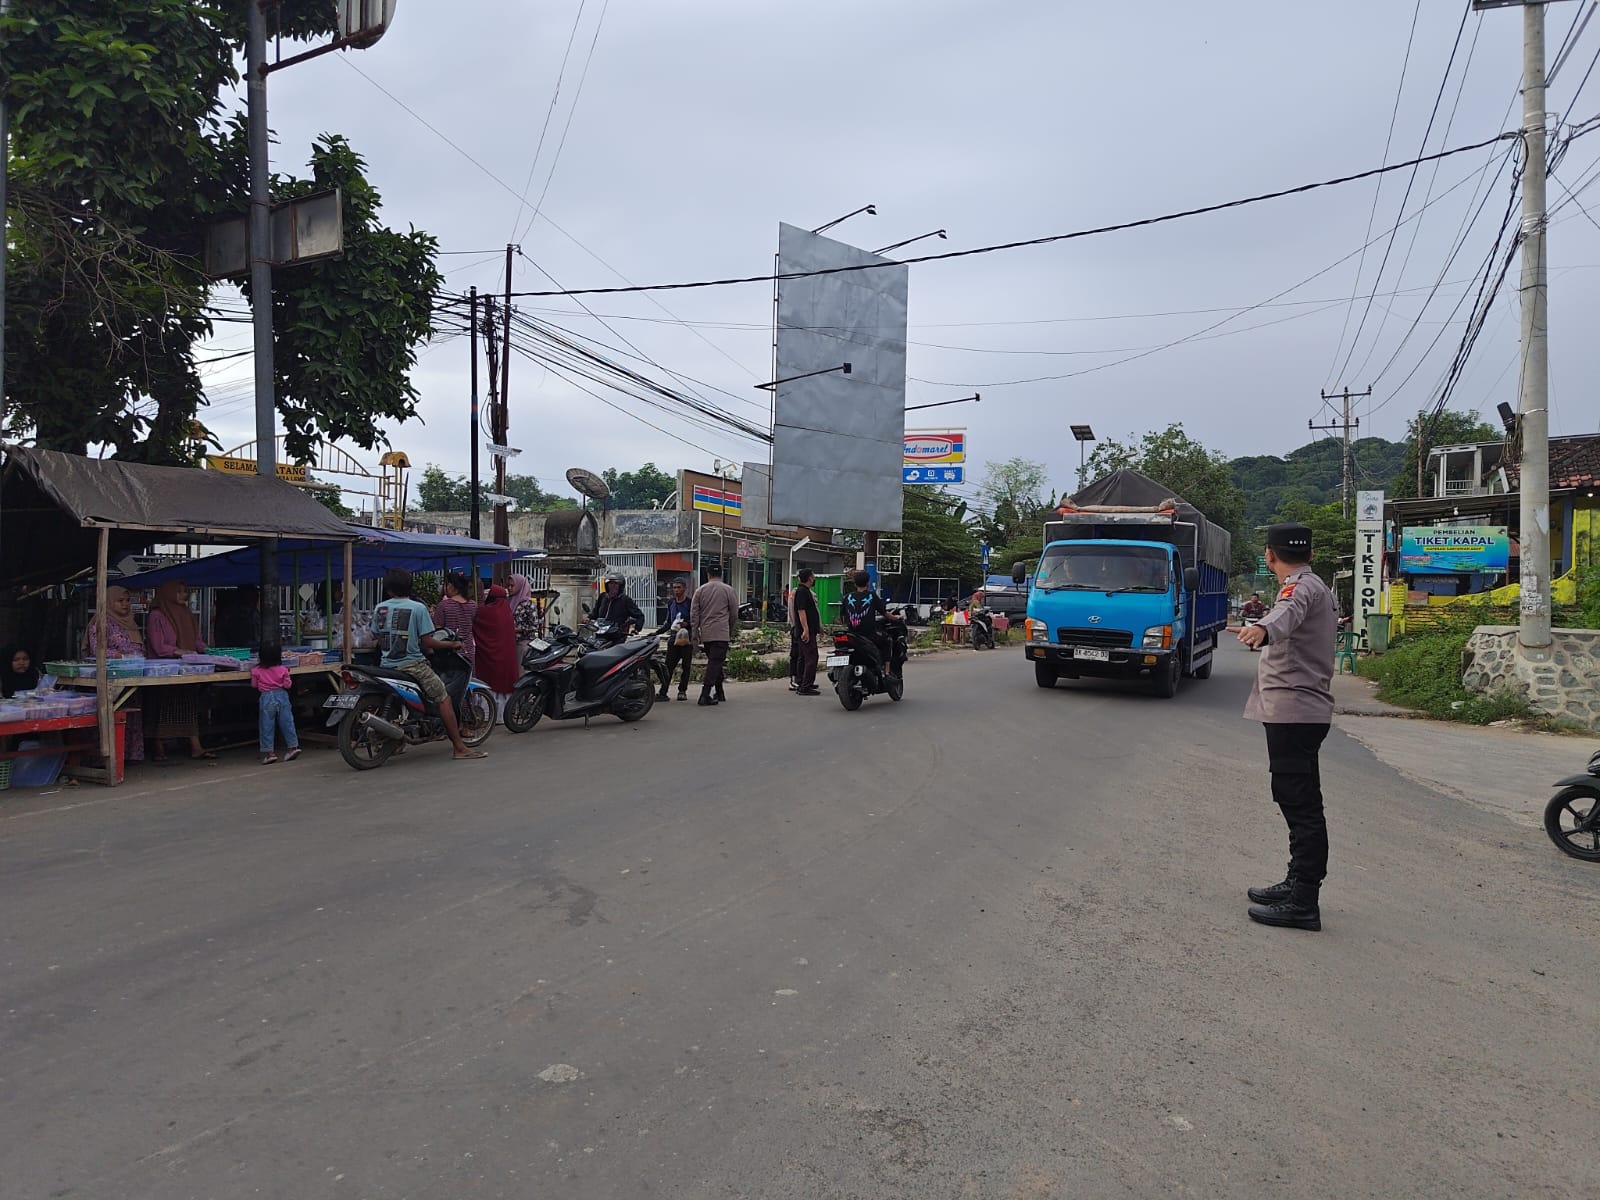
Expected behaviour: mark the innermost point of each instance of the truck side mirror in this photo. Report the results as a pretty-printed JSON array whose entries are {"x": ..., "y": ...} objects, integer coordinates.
[
  {"x": 1019, "y": 572},
  {"x": 1191, "y": 579}
]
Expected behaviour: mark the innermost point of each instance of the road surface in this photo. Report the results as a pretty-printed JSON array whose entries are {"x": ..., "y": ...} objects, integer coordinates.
[{"x": 989, "y": 942}]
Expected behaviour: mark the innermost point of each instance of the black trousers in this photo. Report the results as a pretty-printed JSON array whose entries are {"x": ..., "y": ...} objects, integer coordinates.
[
  {"x": 675, "y": 655},
  {"x": 716, "y": 659},
  {"x": 807, "y": 665},
  {"x": 1292, "y": 751}
]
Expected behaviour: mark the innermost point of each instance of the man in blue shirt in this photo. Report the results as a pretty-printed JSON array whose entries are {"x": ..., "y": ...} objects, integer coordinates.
[
  {"x": 405, "y": 633},
  {"x": 680, "y": 646}
]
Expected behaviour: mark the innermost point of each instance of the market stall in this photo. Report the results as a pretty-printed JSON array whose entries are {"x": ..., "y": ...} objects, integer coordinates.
[{"x": 63, "y": 517}]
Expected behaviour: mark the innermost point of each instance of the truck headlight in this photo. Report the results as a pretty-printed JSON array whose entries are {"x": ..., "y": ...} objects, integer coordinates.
[
  {"x": 1158, "y": 638},
  {"x": 1038, "y": 631}
]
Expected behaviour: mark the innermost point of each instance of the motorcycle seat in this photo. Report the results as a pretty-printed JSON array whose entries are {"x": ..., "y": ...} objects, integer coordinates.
[
  {"x": 386, "y": 673},
  {"x": 598, "y": 662}
]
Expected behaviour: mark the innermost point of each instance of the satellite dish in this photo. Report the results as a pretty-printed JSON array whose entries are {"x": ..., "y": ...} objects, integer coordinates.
[
  {"x": 587, "y": 483},
  {"x": 363, "y": 22}
]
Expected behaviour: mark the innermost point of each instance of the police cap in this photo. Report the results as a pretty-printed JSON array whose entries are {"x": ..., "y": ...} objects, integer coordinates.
[{"x": 1290, "y": 536}]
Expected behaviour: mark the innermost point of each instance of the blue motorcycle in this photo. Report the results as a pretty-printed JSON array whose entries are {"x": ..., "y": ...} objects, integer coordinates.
[{"x": 382, "y": 710}]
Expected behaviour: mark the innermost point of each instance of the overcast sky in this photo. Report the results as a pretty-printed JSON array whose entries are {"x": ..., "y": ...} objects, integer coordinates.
[{"x": 703, "y": 123}]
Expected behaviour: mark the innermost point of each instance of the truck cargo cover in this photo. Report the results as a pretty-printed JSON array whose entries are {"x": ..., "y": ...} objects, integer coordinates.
[{"x": 1131, "y": 490}]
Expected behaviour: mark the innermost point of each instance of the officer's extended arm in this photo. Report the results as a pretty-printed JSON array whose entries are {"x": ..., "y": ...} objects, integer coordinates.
[{"x": 1286, "y": 616}]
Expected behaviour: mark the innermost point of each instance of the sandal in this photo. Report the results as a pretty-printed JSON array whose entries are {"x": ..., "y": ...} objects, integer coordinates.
[
  {"x": 203, "y": 756},
  {"x": 471, "y": 754}
]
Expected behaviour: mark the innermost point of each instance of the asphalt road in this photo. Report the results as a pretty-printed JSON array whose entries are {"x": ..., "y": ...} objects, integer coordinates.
[{"x": 989, "y": 942}]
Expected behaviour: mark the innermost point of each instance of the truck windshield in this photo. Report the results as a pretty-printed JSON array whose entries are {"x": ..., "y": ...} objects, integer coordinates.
[{"x": 1091, "y": 568}]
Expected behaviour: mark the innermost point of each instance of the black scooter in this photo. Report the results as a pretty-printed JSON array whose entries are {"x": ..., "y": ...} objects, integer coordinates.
[
  {"x": 616, "y": 680},
  {"x": 980, "y": 627},
  {"x": 380, "y": 710},
  {"x": 1572, "y": 818},
  {"x": 858, "y": 669}
]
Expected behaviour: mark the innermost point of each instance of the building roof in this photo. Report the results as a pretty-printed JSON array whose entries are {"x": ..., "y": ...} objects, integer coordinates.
[{"x": 1574, "y": 463}]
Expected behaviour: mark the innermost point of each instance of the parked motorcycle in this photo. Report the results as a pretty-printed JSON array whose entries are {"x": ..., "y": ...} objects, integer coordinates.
[
  {"x": 604, "y": 634},
  {"x": 380, "y": 709},
  {"x": 617, "y": 680},
  {"x": 980, "y": 627},
  {"x": 857, "y": 667},
  {"x": 1572, "y": 818}
]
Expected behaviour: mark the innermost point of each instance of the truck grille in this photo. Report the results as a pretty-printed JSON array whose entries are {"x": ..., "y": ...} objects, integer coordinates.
[{"x": 1105, "y": 638}]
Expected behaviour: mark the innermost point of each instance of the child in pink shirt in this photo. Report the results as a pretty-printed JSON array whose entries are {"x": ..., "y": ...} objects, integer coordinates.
[{"x": 273, "y": 681}]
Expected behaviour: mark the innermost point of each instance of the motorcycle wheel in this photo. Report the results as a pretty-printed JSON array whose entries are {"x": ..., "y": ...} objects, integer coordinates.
[
  {"x": 1572, "y": 819},
  {"x": 848, "y": 696},
  {"x": 477, "y": 717},
  {"x": 637, "y": 698},
  {"x": 524, "y": 709},
  {"x": 365, "y": 748},
  {"x": 895, "y": 687}
]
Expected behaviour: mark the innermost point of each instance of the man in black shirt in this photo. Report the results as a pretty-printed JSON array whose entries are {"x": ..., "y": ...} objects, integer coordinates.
[{"x": 808, "y": 629}]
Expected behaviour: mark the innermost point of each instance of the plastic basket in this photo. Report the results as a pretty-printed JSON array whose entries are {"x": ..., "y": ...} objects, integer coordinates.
[{"x": 5, "y": 774}]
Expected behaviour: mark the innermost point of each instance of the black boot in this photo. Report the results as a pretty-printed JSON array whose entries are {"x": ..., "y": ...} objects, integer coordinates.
[
  {"x": 1296, "y": 911},
  {"x": 706, "y": 700},
  {"x": 1274, "y": 893},
  {"x": 721, "y": 699},
  {"x": 662, "y": 694}
]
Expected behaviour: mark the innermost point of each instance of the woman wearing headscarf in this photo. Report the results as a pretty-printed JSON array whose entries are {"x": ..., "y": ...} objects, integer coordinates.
[
  {"x": 457, "y": 610},
  {"x": 524, "y": 613},
  {"x": 18, "y": 671},
  {"x": 171, "y": 632},
  {"x": 122, "y": 641},
  {"x": 495, "y": 633}
]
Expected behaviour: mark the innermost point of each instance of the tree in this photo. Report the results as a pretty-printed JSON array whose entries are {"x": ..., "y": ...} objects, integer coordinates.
[
  {"x": 1175, "y": 460},
  {"x": 439, "y": 491},
  {"x": 936, "y": 542},
  {"x": 1446, "y": 428},
  {"x": 333, "y": 500},
  {"x": 1312, "y": 474},
  {"x": 1012, "y": 493},
  {"x": 1333, "y": 535},
  {"x": 647, "y": 487},
  {"x": 122, "y": 153}
]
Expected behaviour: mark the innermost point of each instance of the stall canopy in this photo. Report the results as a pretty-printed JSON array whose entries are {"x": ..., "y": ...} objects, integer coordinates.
[
  {"x": 54, "y": 505},
  {"x": 376, "y": 550}
]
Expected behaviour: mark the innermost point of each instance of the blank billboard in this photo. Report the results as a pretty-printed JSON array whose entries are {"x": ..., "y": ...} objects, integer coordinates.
[{"x": 838, "y": 439}]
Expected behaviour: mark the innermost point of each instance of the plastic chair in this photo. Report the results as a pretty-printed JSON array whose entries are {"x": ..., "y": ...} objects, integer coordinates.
[{"x": 1344, "y": 651}]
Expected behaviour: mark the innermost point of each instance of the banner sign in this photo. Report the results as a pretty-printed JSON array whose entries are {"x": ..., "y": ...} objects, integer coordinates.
[
  {"x": 933, "y": 474},
  {"x": 288, "y": 472},
  {"x": 942, "y": 448},
  {"x": 708, "y": 499},
  {"x": 1455, "y": 550},
  {"x": 1369, "y": 560}
]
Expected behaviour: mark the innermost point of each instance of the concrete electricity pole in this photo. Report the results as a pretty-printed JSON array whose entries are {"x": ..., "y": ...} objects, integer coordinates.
[
  {"x": 1347, "y": 460},
  {"x": 260, "y": 242},
  {"x": 1533, "y": 407}
]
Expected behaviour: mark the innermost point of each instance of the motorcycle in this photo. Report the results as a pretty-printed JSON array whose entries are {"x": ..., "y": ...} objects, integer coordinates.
[
  {"x": 605, "y": 634},
  {"x": 382, "y": 710},
  {"x": 1572, "y": 818},
  {"x": 857, "y": 668},
  {"x": 618, "y": 680},
  {"x": 980, "y": 626}
]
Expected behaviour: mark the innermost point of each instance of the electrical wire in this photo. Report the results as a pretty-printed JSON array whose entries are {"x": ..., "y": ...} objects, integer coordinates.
[
  {"x": 555, "y": 95},
  {"x": 571, "y": 112},
  {"x": 1050, "y": 239}
]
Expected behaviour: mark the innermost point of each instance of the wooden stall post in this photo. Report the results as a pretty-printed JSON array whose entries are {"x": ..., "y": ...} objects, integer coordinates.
[
  {"x": 106, "y": 719},
  {"x": 349, "y": 597}
]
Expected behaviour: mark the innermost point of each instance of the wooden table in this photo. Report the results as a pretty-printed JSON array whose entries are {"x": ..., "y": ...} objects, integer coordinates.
[{"x": 122, "y": 689}]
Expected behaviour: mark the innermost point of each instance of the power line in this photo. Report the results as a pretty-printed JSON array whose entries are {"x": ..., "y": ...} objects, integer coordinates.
[
  {"x": 1050, "y": 239},
  {"x": 555, "y": 95}
]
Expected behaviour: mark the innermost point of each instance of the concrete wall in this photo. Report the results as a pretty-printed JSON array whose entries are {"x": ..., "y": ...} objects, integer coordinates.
[{"x": 1567, "y": 687}]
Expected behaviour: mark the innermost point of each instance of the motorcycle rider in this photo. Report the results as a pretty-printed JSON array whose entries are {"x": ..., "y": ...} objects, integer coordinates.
[
  {"x": 405, "y": 632},
  {"x": 1253, "y": 609},
  {"x": 864, "y": 612},
  {"x": 616, "y": 606}
]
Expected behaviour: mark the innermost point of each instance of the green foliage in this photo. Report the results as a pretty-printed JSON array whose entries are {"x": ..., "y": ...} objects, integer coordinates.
[
  {"x": 122, "y": 153},
  {"x": 1012, "y": 496},
  {"x": 426, "y": 587},
  {"x": 1332, "y": 534},
  {"x": 1587, "y": 614},
  {"x": 439, "y": 491},
  {"x": 747, "y": 665},
  {"x": 936, "y": 541},
  {"x": 333, "y": 500},
  {"x": 1171, "y": 457},
  {"x": 1423, "y": 671},
  {"x": 1311, "y": 475},
  {"x": 1447, "y": 429},
  {"x": 645, "y": 488}
]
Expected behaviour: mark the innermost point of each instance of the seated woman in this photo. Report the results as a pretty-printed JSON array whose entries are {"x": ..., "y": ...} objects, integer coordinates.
[
  {"x": 171, "y": 632},
  {"x": 122, "y": 641},
  {"x": 18, "y": 671}
]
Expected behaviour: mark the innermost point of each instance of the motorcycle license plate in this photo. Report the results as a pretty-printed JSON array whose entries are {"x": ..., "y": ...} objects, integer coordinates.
[
  {"x": 342, "y": 700},
  {"x": 1091, "y": 655},
  {"x": 838, "y": 660}
]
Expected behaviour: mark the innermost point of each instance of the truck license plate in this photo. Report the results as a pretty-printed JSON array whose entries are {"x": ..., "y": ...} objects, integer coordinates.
[
  {"x": 838, "y": 660},
  {"x": 342, "y": 700},
  {"x": 1091, "y": 655}
]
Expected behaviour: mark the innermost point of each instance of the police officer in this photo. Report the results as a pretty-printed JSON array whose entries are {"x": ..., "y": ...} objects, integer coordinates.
[{"x": 1293, "y": 698}]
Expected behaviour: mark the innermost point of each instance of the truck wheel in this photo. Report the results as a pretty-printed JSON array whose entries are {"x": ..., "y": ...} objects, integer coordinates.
[
  {"x": 1203, "y": 672},
  {"x": 1166, "y": 685},
  {"x": 1044, "y": 675}
]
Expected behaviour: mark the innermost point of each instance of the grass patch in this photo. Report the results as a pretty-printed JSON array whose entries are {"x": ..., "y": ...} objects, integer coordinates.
[{"x": 1423, "y": 672}]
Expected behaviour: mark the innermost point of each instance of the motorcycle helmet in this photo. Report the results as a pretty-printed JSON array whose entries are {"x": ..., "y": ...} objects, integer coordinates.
[{"x": 612, "y": 577}]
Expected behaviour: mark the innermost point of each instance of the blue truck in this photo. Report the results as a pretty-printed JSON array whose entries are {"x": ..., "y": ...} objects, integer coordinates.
[{"x": 1133, "y": 583}]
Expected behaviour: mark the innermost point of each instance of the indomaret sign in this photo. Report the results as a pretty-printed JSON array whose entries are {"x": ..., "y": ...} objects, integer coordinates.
[{"x": 1369, "y": 560}]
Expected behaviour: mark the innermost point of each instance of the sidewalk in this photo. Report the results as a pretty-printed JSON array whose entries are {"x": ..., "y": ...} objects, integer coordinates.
[{"x": 1357, "y": 697}]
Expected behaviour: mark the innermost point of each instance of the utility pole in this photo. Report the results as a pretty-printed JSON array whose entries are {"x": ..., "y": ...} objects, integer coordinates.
[
  {"x": 492, "y": 353},
  {"x": 502, "y": 433},
  {"x": 260, "y": 229},
  {"x": 476, "y": 434},
  {"x": 1533, "y": 405},
  {"x": 1347, "y": 459}
]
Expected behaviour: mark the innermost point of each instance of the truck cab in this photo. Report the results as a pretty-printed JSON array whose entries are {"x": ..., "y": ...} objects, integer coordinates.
[{"x": 1110, "y": 609}]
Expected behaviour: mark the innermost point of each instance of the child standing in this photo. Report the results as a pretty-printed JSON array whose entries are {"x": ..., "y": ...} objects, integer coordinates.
[{"x": 273, "y": 681}]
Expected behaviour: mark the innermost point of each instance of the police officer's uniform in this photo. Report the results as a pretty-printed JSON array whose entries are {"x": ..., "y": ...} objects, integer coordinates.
[{"x": 1293, "y": 699}]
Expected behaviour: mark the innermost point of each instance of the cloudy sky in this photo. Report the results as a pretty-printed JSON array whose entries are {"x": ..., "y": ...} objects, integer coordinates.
[{"x": 695, "y": 126}]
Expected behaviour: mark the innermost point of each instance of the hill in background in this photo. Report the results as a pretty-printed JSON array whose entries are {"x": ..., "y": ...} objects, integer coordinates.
[{"x": 1312, "y": 473}]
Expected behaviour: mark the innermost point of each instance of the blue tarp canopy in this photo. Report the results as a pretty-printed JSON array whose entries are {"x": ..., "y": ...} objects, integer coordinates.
[{"x": 376, "y": 550}]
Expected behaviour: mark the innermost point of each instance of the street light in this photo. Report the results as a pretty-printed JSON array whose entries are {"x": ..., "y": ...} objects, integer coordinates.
[
  {"x": 1085, "y": 435},
  {"x": 938, "y": 233},
  {"x": 870, "y": 209}
]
